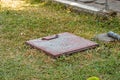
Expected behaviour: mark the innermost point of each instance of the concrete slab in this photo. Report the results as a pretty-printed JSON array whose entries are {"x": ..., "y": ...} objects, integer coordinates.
[
  {"x": 79, "y": 4},
  {"x": 93, "y": 5}
]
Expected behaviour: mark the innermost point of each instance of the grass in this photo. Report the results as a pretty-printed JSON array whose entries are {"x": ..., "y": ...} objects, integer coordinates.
[{"x": 20, "y": 62}]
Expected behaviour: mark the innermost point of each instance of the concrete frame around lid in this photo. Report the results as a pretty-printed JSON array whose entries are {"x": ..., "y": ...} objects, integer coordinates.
[{"x": 80, "y": 5}]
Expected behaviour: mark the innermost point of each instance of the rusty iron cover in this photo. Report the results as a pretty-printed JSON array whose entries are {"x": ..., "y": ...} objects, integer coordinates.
[{"x": 64, "y": 43}]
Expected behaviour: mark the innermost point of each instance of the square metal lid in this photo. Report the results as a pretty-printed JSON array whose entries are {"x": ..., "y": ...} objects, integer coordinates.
[{"x": 63, "y": 43}]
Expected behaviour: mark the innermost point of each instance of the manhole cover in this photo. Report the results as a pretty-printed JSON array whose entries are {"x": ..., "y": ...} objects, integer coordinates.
[{"x": 64, "y": 43}]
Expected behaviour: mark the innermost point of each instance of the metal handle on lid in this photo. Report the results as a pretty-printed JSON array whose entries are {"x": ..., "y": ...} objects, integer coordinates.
[{"x": 50, "y": 37}]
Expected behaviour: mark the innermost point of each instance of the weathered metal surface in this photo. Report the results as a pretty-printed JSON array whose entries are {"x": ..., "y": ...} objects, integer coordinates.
[
  {"x": 104, "y": 37},
  {"x": 65, "y": 43}
]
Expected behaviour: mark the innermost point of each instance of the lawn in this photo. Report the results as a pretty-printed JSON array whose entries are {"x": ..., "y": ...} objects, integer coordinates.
[{"x": 18, "y": 61}]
